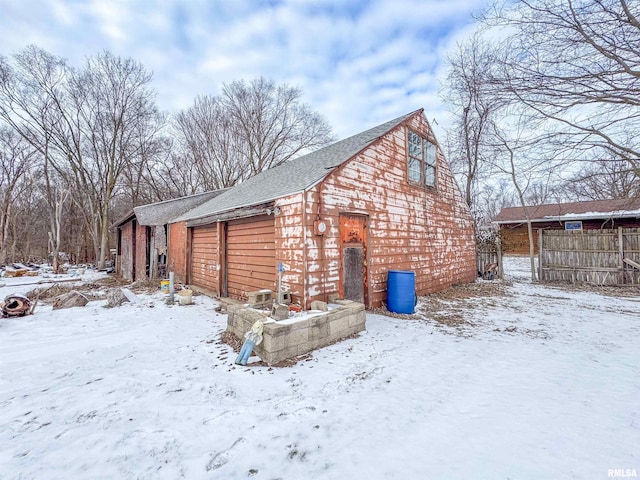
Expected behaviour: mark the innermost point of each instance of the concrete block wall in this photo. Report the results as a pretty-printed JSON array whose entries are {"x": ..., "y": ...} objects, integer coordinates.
[{"x": 287, "y": 340}]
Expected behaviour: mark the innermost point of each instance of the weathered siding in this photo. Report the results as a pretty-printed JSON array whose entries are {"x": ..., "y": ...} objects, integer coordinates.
[
  {"x": 177, "y": 256},
  {"x": 204, "y": 257},
  {"x": 126, "y": 250},
  {"x": 250, "y": 256},
  {"x": 289, "y": 244},
  {"x": 142, "y": 246},
  {"x": 427, "y": 230},
  {"x": 407, "y": 227}
]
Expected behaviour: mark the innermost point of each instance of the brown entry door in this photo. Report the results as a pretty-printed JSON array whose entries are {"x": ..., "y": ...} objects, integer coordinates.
[{"x": 353, "y": 253}]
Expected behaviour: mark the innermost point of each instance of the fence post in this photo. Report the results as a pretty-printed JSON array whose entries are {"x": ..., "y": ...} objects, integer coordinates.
[
  {"x": 499, "y": 252},
  {"x": 621, "y": 260},
  {"x": 540, "y": 232}
]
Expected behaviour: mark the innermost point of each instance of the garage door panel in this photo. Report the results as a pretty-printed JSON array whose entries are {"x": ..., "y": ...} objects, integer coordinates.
[
  {"x": 204, "y": 257},
  {"x": 260, "y": 256},
  {"x": 251, "y": 247},
  {"x": 248, "y": 269},
  {"x": 250, "y": 256},
  {"x": 261, "y": 228},
  {"x": 256, "y": 278}
]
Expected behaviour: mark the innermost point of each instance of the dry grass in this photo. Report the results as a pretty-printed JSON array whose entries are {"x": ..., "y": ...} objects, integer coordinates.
[
  {"x": 450, "y": 307},
  {"x": 96, "y": 289}
]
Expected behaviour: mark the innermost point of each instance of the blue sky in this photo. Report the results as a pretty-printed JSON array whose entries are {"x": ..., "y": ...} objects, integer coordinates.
[{"x": 359, "y": 63}]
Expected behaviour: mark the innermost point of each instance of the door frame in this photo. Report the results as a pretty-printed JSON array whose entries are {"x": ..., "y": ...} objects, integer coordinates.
[{"x": 364, "y": 218}]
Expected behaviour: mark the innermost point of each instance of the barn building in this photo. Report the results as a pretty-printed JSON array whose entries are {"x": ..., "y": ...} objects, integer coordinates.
[{"x": 335, "y": 221}]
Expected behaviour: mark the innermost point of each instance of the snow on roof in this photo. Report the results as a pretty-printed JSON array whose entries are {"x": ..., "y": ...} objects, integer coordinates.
[
  {"x": 590, "y": 215},
  {"x": 596, "y": 209}
]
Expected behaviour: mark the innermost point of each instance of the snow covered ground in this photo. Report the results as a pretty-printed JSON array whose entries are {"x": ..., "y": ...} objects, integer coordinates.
[{"x": 538, "y": 382}]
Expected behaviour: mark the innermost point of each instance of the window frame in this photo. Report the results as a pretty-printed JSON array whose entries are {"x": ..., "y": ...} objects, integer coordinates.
[{"x": 427, "y": 160}]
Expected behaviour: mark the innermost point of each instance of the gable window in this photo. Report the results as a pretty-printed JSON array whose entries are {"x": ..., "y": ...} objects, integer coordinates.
[{"x": 421, "y": 162}]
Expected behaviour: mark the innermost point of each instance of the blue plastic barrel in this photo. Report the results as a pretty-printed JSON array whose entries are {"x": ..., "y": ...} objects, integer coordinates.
[{"x": 401, "y": 291}]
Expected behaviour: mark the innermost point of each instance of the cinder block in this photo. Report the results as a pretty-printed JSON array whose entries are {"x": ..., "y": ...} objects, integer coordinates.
[
  {"x": 318, "y": 305},
  {"x": 285, "y": 298},
  {"x": 282, "y": 341},
  {"x": 296, "y": 337},
  {"x": 277, "y": 329},
  {"x": 260, "y": 297},
  {"x": 318, "y": 332},
  {"x": 356, "y": 307},
  {"x": 272, "y": 343},
  {"x": 234, "y": 307},
  {"x": 333, "y": 297},
  {"x": 357, "y": 318},
  {"x": 279, "y": 312},
  {"x": 339, "y": 325},
  {"x": 344, "y": 302}
]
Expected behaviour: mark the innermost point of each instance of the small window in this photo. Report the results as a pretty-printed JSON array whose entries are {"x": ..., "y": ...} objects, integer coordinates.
[
  {"x": 421, "y": 162},
  {"x": 577, "y": 225}
]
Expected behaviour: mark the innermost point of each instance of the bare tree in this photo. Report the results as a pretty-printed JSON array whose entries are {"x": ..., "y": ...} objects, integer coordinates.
[
  {"x": 211, "y": 144},
  {"x": 519, "y": 154},
  {"x": 118, "y": 118},
  {"x": 16, "y": 158},
  {"x": 89, "y": 125},
  {"x": 493, "y": 197},
  {"x": 471, "y": 94},
  {"x": 32, "y": 93},
  {"x": 603, "y": 179},
  {"x": 577, "y": 64},
  {"x": 272, "y": 122},
  {"x": 249, "y": 128}
]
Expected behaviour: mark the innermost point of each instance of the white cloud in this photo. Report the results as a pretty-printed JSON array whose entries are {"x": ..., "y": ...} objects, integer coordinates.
[{"x": 358, "y": 62}]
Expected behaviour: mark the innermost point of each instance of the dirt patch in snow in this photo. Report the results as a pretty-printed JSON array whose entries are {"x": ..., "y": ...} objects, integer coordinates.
[{"x": 450, "y": 307}]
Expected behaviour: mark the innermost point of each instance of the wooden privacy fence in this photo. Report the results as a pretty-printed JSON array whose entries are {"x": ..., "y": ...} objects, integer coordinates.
[
  {"x": 489, "y": 259},
  {"x": 600, "y": 257}
]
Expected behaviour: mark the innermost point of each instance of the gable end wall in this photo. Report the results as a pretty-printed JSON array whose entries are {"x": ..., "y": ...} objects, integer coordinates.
[{"x": 429, "y": 231}]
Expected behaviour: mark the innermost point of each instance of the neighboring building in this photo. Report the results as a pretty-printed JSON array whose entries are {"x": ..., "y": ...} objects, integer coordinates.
[
  {"x": 337, "y": 220},
  {"x": 141, "y": 250},
  {"x": 597, "y": 214}
]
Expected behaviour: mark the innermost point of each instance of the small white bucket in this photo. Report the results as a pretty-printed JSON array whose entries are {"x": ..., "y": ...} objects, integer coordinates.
[{"x": 184, "y": 296}]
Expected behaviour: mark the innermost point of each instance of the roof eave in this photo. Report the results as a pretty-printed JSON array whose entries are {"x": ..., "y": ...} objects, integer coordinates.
[{"x": 563, "y": 218}]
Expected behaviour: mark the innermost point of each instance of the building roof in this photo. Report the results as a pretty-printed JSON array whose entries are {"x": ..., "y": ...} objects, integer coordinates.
[
  {"x": 294, "y": 176},
  {"x": 596, "y": 209},
  {"x": 161, "y": 213}
]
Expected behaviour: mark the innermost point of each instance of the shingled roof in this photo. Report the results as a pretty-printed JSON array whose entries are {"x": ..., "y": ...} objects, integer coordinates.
[
  {"x": 596, "y": 209},
  {"x": 294, "y": 176},
  {"x": 161, "y": 213}
]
